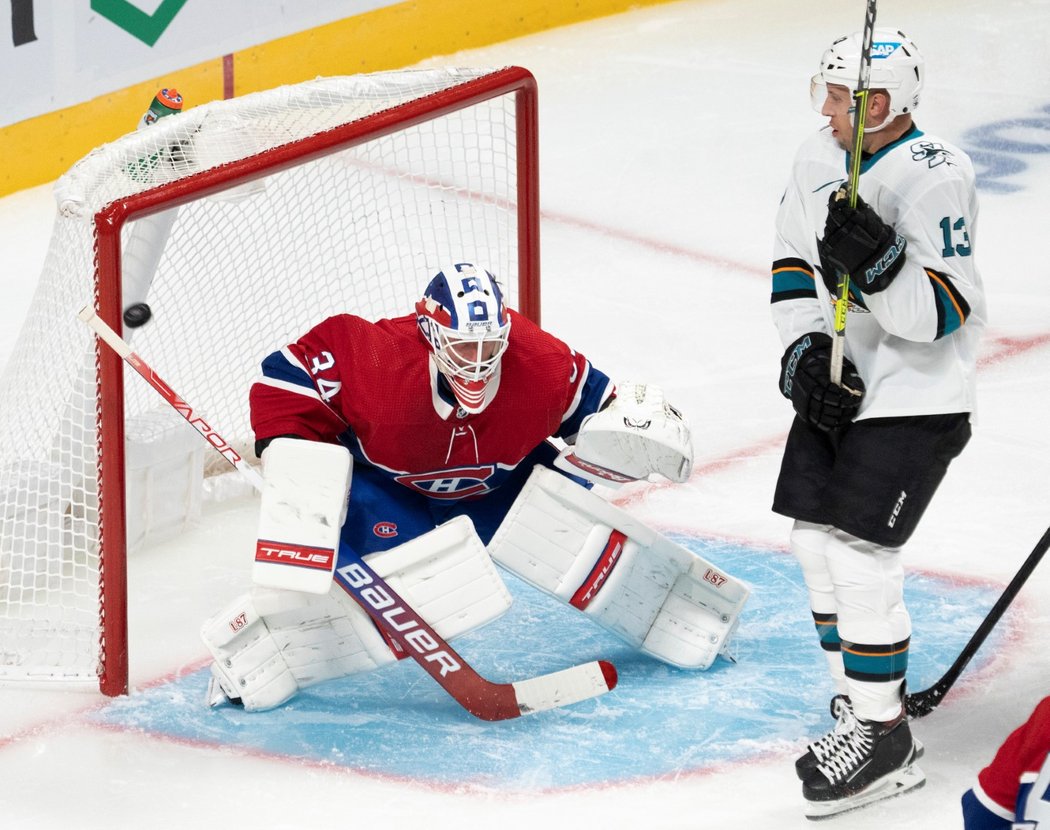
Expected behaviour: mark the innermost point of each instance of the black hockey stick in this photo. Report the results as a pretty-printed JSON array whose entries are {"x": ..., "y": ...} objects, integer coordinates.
[
  {"x": 860, "y": 112},
  {"x": 922, "y": 703},
  {"x": 394, "y": 617}
]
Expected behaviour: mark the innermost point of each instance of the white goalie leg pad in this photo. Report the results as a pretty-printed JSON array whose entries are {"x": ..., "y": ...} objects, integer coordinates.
[
  {"x": 656, "y": 595},
  {"x": 270, "y": 643},
  {"x": 304, "y": 502},
  {"x": 639, "y": 433},
  {"x": 248, "y": 665},
  {"x": 447, "y": 576}
]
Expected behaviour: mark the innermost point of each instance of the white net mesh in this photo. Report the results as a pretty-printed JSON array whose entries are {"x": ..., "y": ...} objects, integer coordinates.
[{"x": 229, "y": 277}]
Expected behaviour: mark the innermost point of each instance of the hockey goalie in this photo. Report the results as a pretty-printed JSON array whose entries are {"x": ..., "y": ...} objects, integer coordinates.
[{"x": 421, "y": 444}]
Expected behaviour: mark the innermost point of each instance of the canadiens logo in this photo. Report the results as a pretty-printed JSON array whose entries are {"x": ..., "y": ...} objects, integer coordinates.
[
  {"x": 457, "y": 483},
  {"x": 385, "y": 530}
]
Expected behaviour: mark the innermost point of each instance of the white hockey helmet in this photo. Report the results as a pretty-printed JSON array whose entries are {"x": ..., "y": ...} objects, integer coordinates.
[
  {"x": 462, "y": 316},
  {"x": 897, "y": 66}
]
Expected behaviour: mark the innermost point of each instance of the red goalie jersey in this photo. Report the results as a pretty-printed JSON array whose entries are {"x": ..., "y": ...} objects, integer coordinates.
[
  {"x": 1014, "y": 790},
  {"x": 374, "y": 388}
]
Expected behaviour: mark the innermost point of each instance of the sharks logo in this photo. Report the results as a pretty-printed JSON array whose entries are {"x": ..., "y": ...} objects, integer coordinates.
[{"x": 933, "y": 153}]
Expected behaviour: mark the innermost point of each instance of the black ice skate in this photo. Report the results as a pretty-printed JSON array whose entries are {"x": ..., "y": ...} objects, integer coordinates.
[
  {"x": 874, "y": 761},
  {"x": 842, "y": 711},
  {"x": 819, "y": 750}
]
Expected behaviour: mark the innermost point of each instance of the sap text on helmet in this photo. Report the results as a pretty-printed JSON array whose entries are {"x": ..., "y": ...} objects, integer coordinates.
[{"x": 897, "y": 67}]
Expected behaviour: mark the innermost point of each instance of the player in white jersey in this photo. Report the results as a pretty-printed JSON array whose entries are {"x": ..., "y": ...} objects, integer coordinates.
[{"x": 864, "y": 458}]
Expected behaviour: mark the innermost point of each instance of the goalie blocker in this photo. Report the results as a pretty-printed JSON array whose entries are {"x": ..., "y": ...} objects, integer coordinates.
[
  {"x": 656, "y": 595},
  {"x": 301, "y": 513}
]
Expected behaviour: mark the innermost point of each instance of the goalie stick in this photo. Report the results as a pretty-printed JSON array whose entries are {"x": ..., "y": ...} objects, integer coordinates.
[
  {"x": 922, "y": 703},
  {"x": 391, "y": 614}
]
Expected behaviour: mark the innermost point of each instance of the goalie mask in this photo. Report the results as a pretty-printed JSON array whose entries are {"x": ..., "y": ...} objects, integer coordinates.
[
  {"x": 896, "y": 66},
  {"x": 462, "y": 317}
]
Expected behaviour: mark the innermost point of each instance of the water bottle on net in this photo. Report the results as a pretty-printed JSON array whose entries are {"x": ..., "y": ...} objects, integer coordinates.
[{"x": 166, "y": 102}]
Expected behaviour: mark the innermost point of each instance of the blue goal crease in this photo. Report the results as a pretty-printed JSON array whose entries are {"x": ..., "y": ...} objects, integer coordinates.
[{"x": 659, "y": 722}]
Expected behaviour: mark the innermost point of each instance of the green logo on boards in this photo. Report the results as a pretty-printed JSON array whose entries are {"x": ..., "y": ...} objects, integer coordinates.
[{"x": 146, "y": 27}]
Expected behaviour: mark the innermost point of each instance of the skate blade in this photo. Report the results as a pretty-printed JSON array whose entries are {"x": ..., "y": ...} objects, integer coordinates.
[
  {"x": 894, "y": 784},
  {"x": 216, "y": 695}
]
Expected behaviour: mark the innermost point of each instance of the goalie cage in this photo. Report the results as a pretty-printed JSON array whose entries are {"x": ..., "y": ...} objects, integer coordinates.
[{"x": 250, "y": 220}]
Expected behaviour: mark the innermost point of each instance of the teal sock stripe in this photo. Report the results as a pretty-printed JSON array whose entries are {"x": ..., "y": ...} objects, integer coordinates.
[
  {"x": 828, "y": 631},
  {"x": 875, "y": 663}
]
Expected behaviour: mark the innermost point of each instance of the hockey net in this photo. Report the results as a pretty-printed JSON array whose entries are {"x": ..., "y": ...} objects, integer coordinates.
[{"x": 241, "y": 223}]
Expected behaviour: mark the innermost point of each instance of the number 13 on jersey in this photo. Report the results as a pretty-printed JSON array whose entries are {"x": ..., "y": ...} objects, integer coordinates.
[{"x": 956, "y": 239}]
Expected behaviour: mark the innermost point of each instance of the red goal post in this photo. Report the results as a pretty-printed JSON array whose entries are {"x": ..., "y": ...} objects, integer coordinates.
[{"x": 241, "y": 223}]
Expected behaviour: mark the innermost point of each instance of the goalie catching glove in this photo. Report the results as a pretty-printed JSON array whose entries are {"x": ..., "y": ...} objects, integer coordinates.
[{"x": 637, "y": 434}]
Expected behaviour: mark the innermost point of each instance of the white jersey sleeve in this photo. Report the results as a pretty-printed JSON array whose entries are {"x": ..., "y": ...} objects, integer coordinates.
[
  {"x": 938, "y": 287},
  {"x": 797, "y": 307}
]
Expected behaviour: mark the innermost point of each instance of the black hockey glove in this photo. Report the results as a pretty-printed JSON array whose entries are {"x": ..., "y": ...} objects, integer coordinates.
[
  {"x": 805, "y": 379},
  {"x": 857, "y": 242}
]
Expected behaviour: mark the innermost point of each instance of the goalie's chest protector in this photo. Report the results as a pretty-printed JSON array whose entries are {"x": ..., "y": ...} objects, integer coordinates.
[{"x": 398, "y": 424}]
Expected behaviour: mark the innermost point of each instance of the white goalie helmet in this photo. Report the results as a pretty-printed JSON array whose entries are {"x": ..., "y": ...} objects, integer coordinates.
[
  {"x": 462, "y": 316},
  {"x": 897, "y": 66}
]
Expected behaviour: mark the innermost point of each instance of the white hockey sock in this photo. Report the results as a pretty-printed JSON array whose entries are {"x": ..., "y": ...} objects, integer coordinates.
[
  {"x": 875, "y": 701},
  {"x": 869, "y": 594},
  {"x": 809, "y": 544}
]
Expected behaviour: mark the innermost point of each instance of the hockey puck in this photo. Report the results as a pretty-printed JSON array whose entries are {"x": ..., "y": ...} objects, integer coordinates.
[{"x": 137, "y": 315}]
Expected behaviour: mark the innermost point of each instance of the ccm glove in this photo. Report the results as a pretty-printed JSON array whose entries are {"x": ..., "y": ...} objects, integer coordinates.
[
  {"x": 857, "y": 242},
  {"x": 805, "y": 379}
]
